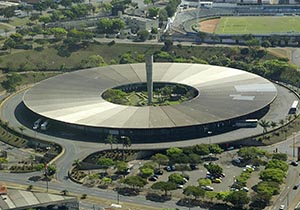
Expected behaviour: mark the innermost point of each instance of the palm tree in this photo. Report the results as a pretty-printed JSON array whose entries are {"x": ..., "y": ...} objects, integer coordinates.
[
  {"x": 126, "y": 142},
  {"x": 273, "y": 124},
  {"x": 265, "y": 125},
  {"x": 21, "y": 128},
  {"x": 77, "y": 163},
  {"x": 110, "y": 139}
]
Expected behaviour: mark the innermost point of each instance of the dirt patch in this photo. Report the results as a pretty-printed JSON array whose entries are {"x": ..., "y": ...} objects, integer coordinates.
[{"x": 209, "y": 26}]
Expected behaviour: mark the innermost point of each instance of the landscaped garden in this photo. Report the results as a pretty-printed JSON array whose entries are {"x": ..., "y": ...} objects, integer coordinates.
[{"x": 163, "y": 94}]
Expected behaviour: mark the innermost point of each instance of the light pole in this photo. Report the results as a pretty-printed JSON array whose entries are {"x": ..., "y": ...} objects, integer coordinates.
[
  {"x": 209, "y": 140},
  {"x": 294, "y": 135}
]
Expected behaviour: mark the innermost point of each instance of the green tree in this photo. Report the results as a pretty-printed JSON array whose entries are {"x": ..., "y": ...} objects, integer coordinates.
[
  {"x": 59, "y": 33},
  {"x": 215, "y": 149},
  {"x": 146, "y": 172},
  {"x": 194, "y": 191},
  {"x": 143, "y": 35},
  {"x": 264, "y": 124},
  {"x": 126, "y": 142},
  {"x": 77, "y": 163},
  {"x": 202, "y": 149},
  {"x": 204, "y": 182},
  {"x": 176, "y": 178},
  {"x": 22, "y": 128},
  {"x": 153, "y": 12},
  {"x": 273, "y": 175},
  {"x": 92, "y": 61},
  {"x": 8, "y": 12},
  {"x": 12, "y": 81},
  {"x": 121, "y": 166},
  {"x": 214, "y": 169},
  {"x": 250, "y": 153},
  {"x": 174, "y": 151},
  {"x": 110, "y": 139},
  {"x": 135, "y": 181},
  {"x": 105, "y": 162},
  {"x": 160, "y": 159},
  {"x": 279, "y": 164},
  {"x": 164, "y": 186},
  {"x": 238, "y": 198},
  {"x": 280, "y": 156}
]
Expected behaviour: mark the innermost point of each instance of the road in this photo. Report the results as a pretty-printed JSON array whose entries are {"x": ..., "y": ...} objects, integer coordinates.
[{"x": 80, "y": 149}]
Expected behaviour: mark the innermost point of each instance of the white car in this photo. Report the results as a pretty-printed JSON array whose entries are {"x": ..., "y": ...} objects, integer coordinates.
[{"x": 282, "y": 207}]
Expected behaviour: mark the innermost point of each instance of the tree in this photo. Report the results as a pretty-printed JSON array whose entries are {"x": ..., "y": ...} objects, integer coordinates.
[
  {"x": 66, "y": 3},
  {"x": 174, "y": 151},
  {"x": 176, "y": 178},
  {"x": 238, "y": 198},
  {"x": 121, "y": 166},
  {"x": 105, "y": 162},
  {"x": 146, "y": 172},
  {"x": 92, "y": 61},
  {"x": 126, "y": 142},
  {"x": 153, "y": 12},
  {"x": 22, "y": 128},
  {"x": 110, "y": 139},
  {"x": 215, "y": 149},
  {"x": 59, "y": 33},
  {"x": 280, "y": 156},
  {"x": 167, "y": 45},
  {"x": 77, "y": 163},
  {"x": 143, "y": 35},
  {"x": 204, "y": 182},
  {"x": 194, "y": 191},
  {"x": 64, "y": 192},
  {"x": 272, "y": 174},
  {"x": 164, "y": 186},
  {"x": 13, "y": 80},
  {"x": 250, "y": 153},
  {"x": 201, "y": 149},
  {"x": 8, "y": 12},
  {"x": 160, "y": 159},
  {"x": 214, "y": 169},
  {"x": 265, "y": 125},
  {"x": 135, "y": 181},
  {"x": 279, "y": 164}
]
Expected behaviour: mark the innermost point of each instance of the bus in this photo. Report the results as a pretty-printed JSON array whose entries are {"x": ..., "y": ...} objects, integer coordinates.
[
  {"x": 45, "y": 125},
  {"x": 246, "y": 123},
  {"x": 36, "y": 124},
  {"x": 293, "y": 108}
]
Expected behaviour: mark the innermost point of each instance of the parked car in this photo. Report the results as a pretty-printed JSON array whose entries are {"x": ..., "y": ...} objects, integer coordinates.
[
  {"x": 153, "y": 178},
  {"x": 193, "y": 166},
  {"x": 158, "y": 172},
  {"x": 207, "y": 188},
  {"x": 180, "y": 186},
  {"x": 282, "y": 207},
  {"x": 294, "y": 163},
  {"x": 296, "y": 187},
  {"x": 246, "y": 189},
  {"x": 216, "y": 180}
]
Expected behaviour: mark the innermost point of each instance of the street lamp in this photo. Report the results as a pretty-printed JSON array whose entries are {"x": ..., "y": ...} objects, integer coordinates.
[{"x": 294, "y": 135}]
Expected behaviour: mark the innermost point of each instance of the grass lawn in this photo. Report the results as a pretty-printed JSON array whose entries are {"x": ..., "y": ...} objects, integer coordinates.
[{"x": 258, "y": 25}]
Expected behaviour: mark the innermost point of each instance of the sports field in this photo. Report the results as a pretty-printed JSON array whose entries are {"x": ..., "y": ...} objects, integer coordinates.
[{"x": 258, "y": 25}]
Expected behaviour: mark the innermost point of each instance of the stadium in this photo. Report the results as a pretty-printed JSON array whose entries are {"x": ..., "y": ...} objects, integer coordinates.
[
  {"x": 225, "y": 22},
  {"x": 74, "y": 101}
]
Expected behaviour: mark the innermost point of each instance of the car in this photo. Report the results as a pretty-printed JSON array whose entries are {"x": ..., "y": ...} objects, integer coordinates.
[
  {"x": 168, "y": 168},
  {"x": 294, "y": 163},
  {"x": 158, "y": 172},
  {"x": 185, "y": 180},
  {"x": 282, "y": 207},
  {"x": 207, "y": 188},
  {"x": 173, "y": 168},
  {"x": 180, "y": 186},
  {"x": 193, "y": 166},
  {"x": 153, "y": 178},
  {"x": 296, "y": 187},
  {"x": 246, "y": 189},
  {"x": 217, "y": 180}
]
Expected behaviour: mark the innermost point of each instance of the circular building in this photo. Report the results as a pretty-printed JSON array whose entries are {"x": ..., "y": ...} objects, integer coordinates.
[{"x": 222, "y": 96}]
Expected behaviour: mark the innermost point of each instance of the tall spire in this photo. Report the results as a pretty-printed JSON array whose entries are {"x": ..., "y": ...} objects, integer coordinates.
[{"x": 149, "y": 70}]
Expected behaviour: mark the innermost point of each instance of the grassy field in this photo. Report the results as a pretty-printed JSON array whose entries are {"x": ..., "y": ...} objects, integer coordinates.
[{"x": 258, "y": 25}]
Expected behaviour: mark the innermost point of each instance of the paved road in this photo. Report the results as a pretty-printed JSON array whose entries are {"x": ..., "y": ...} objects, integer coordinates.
[{"x": 80, "y": 149}]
